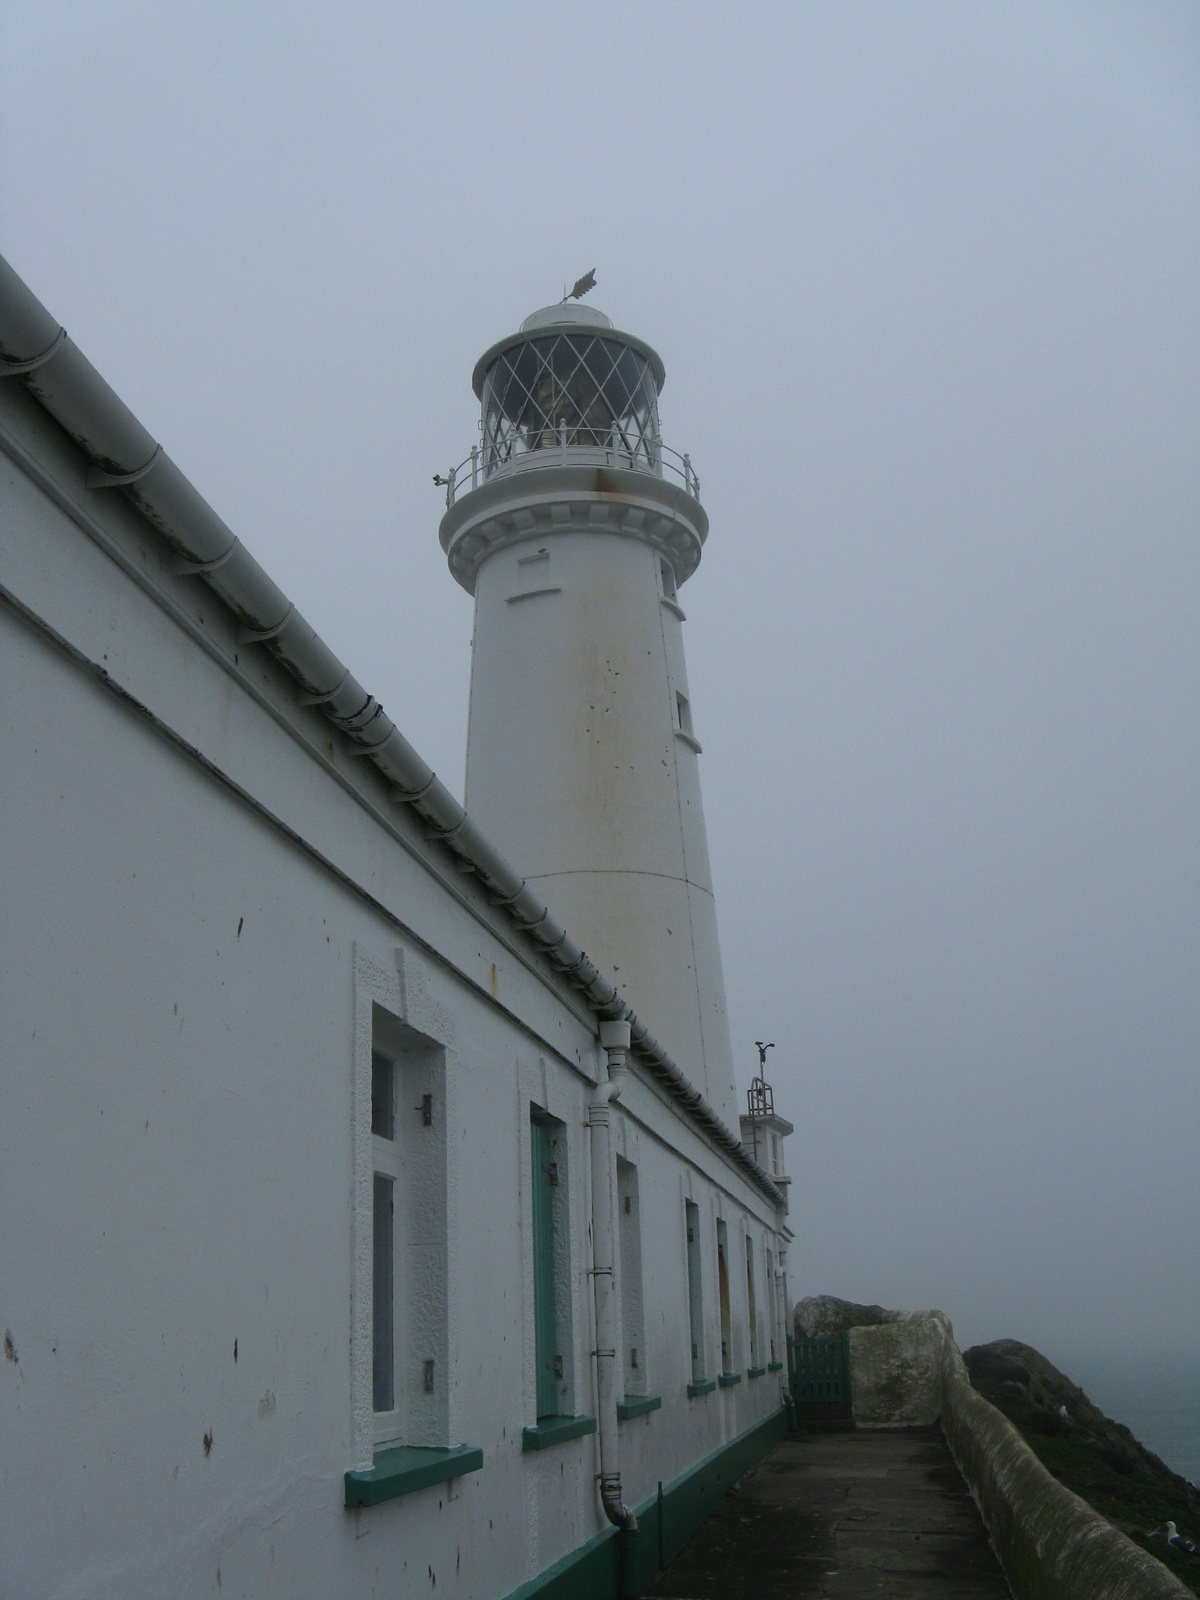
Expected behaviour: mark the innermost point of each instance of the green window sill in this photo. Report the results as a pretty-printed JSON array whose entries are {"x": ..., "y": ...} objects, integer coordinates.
[
  {"x": 555, "y": 1430},
  {"x": 774, "y": 1366},
  {"x": 705, "y": 1386},
  {"x": 637, "y": 1405},
  {"x": 728, "y": 1379},
  {"x": 756, "y": 1372},
  {"x": 404, "y": 1468}
]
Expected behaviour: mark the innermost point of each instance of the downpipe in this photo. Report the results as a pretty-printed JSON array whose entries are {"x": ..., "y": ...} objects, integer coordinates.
[{"x": 614, "y": 1038}]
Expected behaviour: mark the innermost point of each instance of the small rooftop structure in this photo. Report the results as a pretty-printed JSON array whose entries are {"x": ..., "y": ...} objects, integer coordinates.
[{"x": 763, "y": 1131}]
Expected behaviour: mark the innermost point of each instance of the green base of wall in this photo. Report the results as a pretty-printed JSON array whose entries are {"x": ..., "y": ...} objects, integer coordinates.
[
  {"x": 593, "y": 1572},
  {"x": 671, "y": 1519},
  {"x": 613, "y": 1566}
]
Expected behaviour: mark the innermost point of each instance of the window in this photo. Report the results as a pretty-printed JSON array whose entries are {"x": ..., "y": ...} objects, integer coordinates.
[
  {"x": 551, "y": 1267},
  {"x": 385, "y": 1160},
  {"x": 684, "y": 713},
  {"x": 629, "y": 1235},
  {"x": 775, "y": 1168},
  {"x": 695, "y": 1295},
  {"x": 751, "y": 1303},
  {"x": 667, "y": 573},
  {"x": 409, "y": 1351},
  {"x": 723, "y": 1292},
  {"x": 771, "y": 1313}
]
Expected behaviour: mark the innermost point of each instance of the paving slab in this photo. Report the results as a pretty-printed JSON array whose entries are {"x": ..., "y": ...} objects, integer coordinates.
[{"x": 828, "y": 1516}]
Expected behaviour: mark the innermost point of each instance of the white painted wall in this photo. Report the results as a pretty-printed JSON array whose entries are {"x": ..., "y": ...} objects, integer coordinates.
[
  {"x": 575, "y": 764},
  {"x": 195, "y": 879}
]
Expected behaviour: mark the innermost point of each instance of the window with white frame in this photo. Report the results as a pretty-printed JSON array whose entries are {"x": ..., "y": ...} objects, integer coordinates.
[
  {"x": 695, "y": 1288},
  {"x": 552, "y": 1318},
  {"x": 723, "y": 1295},
  {"x": 751, "y": 1301},
  {"x": 629, "y": 1235},
  {"x": 409, "y": 1351}
]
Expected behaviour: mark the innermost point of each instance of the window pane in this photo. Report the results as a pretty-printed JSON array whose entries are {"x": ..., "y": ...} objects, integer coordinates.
[
  {"x": 545, "y": 1341},
  {"x": 383, "y": 1367},
  {"x": 695, "y": 1296},
  {"x": 383, "y": 1096}
]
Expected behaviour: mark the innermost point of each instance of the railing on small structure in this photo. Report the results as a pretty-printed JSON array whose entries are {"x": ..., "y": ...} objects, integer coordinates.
[
  {"x": 481, "y": 466},
  {"x": 819, "y": 1371}
]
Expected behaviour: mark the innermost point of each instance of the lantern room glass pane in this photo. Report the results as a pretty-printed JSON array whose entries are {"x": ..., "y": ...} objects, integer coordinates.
[{"x": 576, "y": 389}]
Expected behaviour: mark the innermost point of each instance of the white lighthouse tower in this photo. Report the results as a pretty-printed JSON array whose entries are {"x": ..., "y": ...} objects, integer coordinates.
[{"x": 574, "y": 527}]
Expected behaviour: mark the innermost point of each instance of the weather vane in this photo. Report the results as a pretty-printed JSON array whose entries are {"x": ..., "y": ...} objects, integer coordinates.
[
  {"x": 582, "y": 286},
  {"x": 762, "y": 1053}
]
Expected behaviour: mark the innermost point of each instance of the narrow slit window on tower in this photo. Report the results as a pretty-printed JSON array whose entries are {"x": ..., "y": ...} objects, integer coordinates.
[
  {"x": 683, "y": 712},
  {"x": 695, "y": 1289},
  {"x": 668, "y": 577},
  {"x": 751, "y": 1302},
  {"x": 723, "y": 1292}
]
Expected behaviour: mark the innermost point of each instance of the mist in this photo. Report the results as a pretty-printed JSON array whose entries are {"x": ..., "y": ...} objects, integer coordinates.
[{"x": 926, "y": 281}]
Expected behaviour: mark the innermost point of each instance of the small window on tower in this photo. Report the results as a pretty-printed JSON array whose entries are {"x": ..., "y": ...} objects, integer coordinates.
[
  {"x": 684, "y": 712},
  {"x": 668, "y": 578}
]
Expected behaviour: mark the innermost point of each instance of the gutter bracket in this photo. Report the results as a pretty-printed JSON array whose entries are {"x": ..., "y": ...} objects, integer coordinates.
[
  {"x": 263, "y": 635},
  {"x": 199, "y": 569},
  {"x": 17, "y": 369},
  {"x": 97, "y": 478}
]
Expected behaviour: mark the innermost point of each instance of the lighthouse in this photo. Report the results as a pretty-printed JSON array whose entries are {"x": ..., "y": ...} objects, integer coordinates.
[{"x": 575, "y": 528}]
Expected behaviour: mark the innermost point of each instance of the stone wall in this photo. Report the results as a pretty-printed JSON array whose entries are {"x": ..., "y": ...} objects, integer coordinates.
[{"x": 909, "y": 1372}]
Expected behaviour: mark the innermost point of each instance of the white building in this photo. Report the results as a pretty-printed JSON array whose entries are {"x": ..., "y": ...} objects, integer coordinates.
[{"x": 344, "y": 1253}]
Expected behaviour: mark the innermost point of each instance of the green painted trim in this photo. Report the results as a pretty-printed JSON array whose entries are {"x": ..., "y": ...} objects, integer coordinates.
[
  {"x": 669, "y": 1521},
  {"x": 407, "y": 1467},
  {"x": 774, "y": 1366},
  {"x": 555, "y": 1430},
  {"x": 637, "y": 1405},
  {"x": 611, "y": 1565},
  {"x": 756, "y": 1372},
  {"x": 593, "y": 1572},
  {"x": 728, "y": 1379},
  {"x": 705, "y": 1386}
]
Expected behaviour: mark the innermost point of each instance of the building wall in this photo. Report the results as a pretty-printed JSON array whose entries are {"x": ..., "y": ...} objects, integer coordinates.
[{"x": 201, "y": 892}]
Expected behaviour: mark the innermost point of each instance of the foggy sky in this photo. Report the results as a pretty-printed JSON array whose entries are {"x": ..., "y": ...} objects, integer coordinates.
[{"x": 926, "y": 281}]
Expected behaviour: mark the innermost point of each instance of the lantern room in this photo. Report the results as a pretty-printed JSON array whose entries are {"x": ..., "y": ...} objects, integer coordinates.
[{"x": 570, "y": 382}]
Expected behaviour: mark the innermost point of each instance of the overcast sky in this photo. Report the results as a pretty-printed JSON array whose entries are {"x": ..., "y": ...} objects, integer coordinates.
[{"x": 926, "y": 281}]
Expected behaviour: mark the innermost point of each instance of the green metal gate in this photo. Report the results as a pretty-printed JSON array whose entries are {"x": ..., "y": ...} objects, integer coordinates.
[{"x": 819, "y": 1371}]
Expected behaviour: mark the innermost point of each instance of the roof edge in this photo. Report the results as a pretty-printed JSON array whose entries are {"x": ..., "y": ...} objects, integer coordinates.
[{"x": 37, "y": 351}]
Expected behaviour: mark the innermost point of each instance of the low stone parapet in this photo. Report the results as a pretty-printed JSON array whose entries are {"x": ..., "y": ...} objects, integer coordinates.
[{"x": 909, "y": 1372}]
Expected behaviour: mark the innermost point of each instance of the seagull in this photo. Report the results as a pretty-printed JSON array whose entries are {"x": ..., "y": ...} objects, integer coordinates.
[{"x": 1177, "y": 1542}]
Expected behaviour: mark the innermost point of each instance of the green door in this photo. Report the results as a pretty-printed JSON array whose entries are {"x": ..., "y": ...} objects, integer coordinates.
[{"x": 545, "y": 1354}]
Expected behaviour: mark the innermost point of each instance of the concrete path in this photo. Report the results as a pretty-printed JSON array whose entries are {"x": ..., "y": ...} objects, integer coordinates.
[{"x": 842, "y": 1514}]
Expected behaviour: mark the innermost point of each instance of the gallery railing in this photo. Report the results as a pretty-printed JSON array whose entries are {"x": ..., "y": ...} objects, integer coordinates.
[{"x": 483, "y": 464}]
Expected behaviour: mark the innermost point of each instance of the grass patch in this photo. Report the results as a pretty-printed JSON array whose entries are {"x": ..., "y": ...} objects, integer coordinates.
[{"x": 1095, "y": 1457}]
